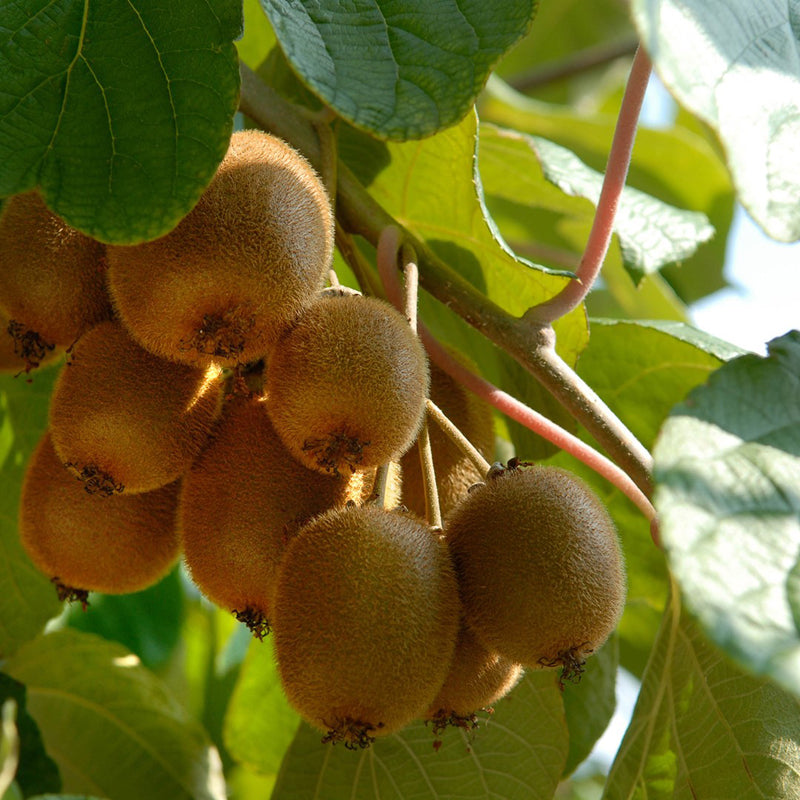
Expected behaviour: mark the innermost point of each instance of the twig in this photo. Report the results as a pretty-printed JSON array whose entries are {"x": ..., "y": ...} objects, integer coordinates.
[{"x": 458, "y": 438}]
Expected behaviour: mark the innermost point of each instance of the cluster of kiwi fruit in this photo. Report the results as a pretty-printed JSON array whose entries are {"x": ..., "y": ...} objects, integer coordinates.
[{"x": 219, "y": 402}]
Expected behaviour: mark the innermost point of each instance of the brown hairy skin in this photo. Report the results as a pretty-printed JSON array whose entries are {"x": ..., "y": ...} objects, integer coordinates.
[
  {"x": 52, "y": 279},
  {"x": 346, "y": 387},
  {"x": 477, "y": 678},
  {"x": 110, "y": 545},
  {"x": 455, "y": 473},
  {"x": 366, "y": 617},
  {"x": 236, "y": 271},
  {"x": 541, "y": 574},
  {"x": 241, "y": 503},
  {"x": 125, "y": 420}
]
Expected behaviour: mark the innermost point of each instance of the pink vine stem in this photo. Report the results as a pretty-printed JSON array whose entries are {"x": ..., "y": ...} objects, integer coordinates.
[
  {"x": 619, "y": 159},
  {"x": 388, "y": 247}
]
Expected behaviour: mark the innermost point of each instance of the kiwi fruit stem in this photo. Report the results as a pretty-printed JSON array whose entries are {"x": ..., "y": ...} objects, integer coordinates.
[
  {"x": 433, "y": 509},
  {"x": 458, "y": 438}
]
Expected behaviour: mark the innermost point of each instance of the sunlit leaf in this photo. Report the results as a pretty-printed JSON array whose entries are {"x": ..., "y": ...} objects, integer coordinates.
[
  {"x": 121, "y": 112},
  {"x": 728, "y": 495},
  {"x": 737, "y": 66},
  {"x": 703, "y": 728},
  {"x": 400, "y": 70},
  {"x": 110, "y": 725}
]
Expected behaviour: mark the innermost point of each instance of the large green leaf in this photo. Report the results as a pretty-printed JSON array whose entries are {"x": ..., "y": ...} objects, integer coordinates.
[
  {"x": 518, "y": 754},
  {"x": 401, "y": 69},
  {"x": 110, "y": 725},
  {"x": 727, "y": 466},
  {"x": 27, "y": 598},
  {"x": 679, "y": 166},
  {"x": 703, "y": 729},
  {"x": 120, "y": 111},
  {"x": 737, "y": 66}
]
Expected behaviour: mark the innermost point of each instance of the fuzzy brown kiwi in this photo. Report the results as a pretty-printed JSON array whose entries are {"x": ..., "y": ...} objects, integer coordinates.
[
  {"x": 455, "y": 473},
  {"x": 52, "y": 279},
  {"x": 251, "y": 255},
  {"x": 85, "y": 543},
  {"x": 123, "y": 419},
  {"x": 241, "y": 503},
  {"x": 541, "y": 573},
  {"x": 366, "y": 616},
  {"x": 347, "y": 385},
  {"x": 477, "y": 678}
]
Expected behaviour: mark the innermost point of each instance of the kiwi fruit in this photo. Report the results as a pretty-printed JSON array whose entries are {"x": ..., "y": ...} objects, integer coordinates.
[
  {"x": 477, "y": 678},
  {"x": 85, "y": 543},
  {"x": 241, "y": 503},
  {"x": 366, "y": 615},
  {"x": 123, "y": 419},
  {"x": 346, "y": 387},
  {"x": 455, "y": 472},
  {"x": 250, "y": 256},
  {"x": 540, "y": 570},
  {"x": 52, "y": 280}
]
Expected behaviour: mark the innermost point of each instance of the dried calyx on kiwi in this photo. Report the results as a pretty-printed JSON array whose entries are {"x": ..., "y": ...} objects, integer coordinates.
[
  {"x": 239, "y": 268},
  {"x": 346, "y": 387},
  {"x": 557, "y": 585}
]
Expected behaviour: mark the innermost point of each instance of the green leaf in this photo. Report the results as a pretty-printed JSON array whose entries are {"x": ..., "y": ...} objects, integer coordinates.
[
  {"x": 36, "y": 772},
  {"x": 259, "y": 724},
  {"x": 401, "y": 70},
  {"x": 517, "y": 754},
  {"x": 111, "y": 726},
  {"x": 703, "y": 728},
  {"x": 712, "y": 56},
  {"x": 121, "y": 112},
  {"x": 148, "y": 623},
  {"x": 589, "y": 704},
  {"x": 27, "y": 598},
  {"x": 727, "y": 468},
  {"x": 678, "y": 166},
  {"x": 642, "y": 369}
]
